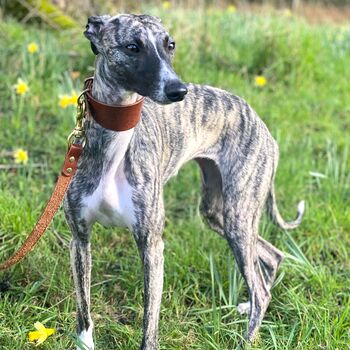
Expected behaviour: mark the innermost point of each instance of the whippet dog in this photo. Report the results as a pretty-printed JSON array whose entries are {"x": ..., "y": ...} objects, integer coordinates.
[{"x": 120, "y": 178}]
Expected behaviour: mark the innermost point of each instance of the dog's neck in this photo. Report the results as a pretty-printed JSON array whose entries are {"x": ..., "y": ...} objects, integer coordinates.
[{"x": 106, "y": 88}]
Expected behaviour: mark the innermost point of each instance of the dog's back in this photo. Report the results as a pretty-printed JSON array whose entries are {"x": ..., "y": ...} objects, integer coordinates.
[{"x": 209, "y": 123}]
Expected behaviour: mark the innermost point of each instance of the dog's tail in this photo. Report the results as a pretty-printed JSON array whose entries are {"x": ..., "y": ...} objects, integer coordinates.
[{"x": 275, "y": 215}]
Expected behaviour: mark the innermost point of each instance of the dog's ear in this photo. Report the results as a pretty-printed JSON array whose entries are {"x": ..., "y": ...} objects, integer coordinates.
[{"x": 93, "y": 31}]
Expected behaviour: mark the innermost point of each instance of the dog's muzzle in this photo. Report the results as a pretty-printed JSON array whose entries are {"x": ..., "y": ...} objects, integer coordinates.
[{"x": 175, "y": 90}]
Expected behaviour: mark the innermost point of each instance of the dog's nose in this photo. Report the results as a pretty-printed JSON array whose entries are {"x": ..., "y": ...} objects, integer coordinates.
[{"x": 175, "y": 90}]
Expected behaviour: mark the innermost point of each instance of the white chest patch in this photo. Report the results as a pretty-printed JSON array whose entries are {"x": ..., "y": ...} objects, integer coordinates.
[{"x": 111, "y": 203}]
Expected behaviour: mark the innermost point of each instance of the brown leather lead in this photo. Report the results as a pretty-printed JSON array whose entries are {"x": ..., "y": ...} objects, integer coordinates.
[
  {"x": 116, "y": 118},
  {"x": 68, "y": 170}
]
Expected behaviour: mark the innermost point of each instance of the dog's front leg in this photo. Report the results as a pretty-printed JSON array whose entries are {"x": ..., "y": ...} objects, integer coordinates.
[
  {"x": 81, "y": 267},
  {"x": 148, "y": 235}
]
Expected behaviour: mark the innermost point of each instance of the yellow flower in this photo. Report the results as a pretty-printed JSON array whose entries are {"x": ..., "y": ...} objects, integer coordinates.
[
  {"x": 40, "y": 334},
  {"x": 32, "y": 47},
  {"x": 21, "y": 87},
  {"x": 166, "y": 5},
  {"x": 68, "y": 100},
  {"x": 64, "y": 101},
  {"x": 74, "y": 99},
  {"x": 21, "y": 156},
  {"x": 260, "y": 80},
  {"x": 287, "y": 13},
  {"x": 231, "y": 8}
]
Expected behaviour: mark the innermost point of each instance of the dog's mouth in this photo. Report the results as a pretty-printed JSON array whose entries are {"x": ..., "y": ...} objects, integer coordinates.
[{"x": 164, "y": 100}]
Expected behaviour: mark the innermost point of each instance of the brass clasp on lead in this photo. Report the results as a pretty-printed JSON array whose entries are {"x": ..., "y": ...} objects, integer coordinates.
[{"x": 78, "y": 136}]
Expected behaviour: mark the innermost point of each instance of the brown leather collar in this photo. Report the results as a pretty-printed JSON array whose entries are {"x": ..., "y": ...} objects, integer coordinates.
[{"x": 116, "y": 118}]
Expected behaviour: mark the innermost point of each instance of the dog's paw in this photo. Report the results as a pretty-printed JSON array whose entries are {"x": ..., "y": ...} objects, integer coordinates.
[
  {"x": 84, "y": 345},
  {"x": 244, "y": 308},
  {"x": 85, "y": 340}
]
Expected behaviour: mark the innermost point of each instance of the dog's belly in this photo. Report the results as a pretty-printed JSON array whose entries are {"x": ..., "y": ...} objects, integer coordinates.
[{"x": 111, "y": 203}]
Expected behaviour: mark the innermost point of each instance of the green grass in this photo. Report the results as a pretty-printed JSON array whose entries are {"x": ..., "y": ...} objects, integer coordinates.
[{"x": 305, "y": 105}]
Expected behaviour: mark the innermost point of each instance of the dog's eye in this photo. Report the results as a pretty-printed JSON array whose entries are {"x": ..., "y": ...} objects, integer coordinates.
[
  {"x": 132, "y": 48},
  {"x": 171, "y": 46}
]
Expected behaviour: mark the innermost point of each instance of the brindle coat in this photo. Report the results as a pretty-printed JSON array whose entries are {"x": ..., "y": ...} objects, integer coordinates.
[{"x": 121, "y": 175}]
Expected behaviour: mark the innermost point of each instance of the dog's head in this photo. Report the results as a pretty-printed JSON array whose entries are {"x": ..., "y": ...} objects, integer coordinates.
[{"x": 137, "y": 51}]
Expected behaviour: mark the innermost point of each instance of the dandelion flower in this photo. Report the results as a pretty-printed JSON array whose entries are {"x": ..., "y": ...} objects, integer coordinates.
[
  {"x": 231, "y": 8},
  {"x": 41, "y": 333},
  {"x": 21, "y": 87},
  {"x": 21, "y": 156},
  {"x": 260, "y": 80},
  {"x": 32, "y": 47},
  {"x": 166, "y": 5}
]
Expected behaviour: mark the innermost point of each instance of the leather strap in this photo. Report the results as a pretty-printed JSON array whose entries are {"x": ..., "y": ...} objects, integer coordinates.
[
  {"x": 116, "y": 118},
  {"x": 67, "y": 173}
]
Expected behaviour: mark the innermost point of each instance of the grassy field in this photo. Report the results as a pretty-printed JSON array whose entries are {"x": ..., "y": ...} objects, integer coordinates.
[{"x": 305, "y": 104}]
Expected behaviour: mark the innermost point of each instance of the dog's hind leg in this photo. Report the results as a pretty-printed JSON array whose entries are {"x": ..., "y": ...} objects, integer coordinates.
[
  {"x": 81, "y": 267},
  {"x": 212, "y": 209},
  {"x": 236, "y": 216},
  {"x": 241, "y": 231},
  {"x": 270, "y": 259},
  {"x": 148, "y": 235}
]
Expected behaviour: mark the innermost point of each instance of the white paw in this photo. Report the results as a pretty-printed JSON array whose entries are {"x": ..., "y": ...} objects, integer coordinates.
[
  {"x": 244, "y": 308},
  {"x": 85, "y": 340}
]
